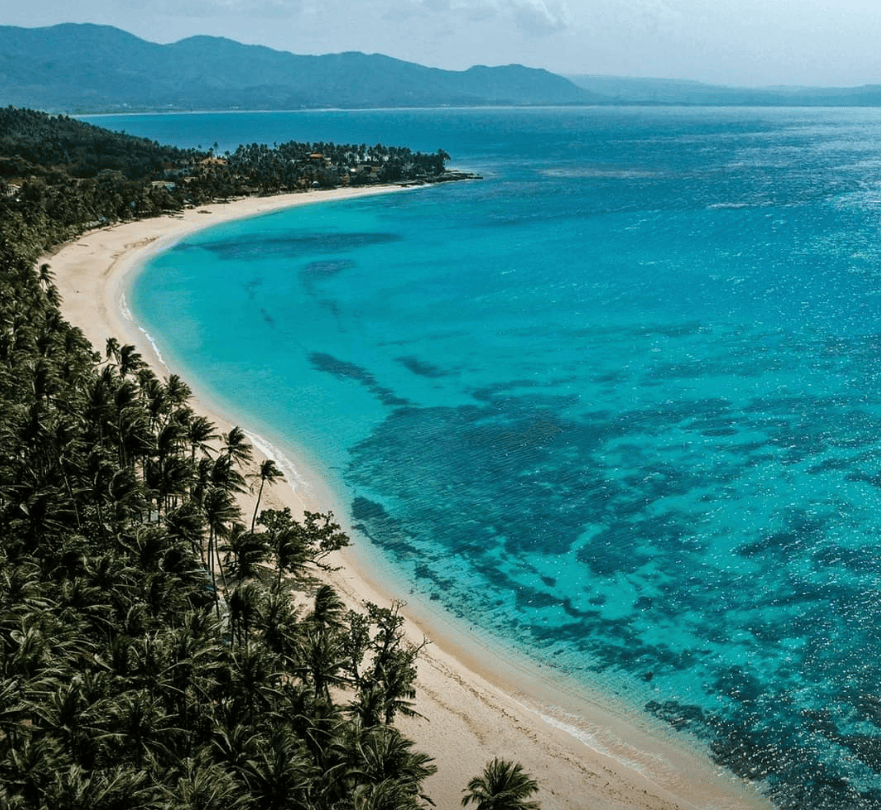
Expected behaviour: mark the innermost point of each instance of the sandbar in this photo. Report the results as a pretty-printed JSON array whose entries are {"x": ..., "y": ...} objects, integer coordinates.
[{"x": 586, "y": 752}]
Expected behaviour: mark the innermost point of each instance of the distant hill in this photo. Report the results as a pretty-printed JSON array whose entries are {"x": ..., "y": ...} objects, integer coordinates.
[
  {"x": 90, "y": 68},
  {"x": 624, "y": 90},
  {"x": 78, "y": 68}
]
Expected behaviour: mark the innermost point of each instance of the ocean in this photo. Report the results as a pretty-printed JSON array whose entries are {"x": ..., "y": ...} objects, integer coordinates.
[{"x": 615, "y": 405}]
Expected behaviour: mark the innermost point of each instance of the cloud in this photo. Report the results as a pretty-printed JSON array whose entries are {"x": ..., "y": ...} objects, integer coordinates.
[
  {"x": 658, "y": 13},
  {"x": 539, "y": 16},
  {"x": 227, "y": 8},
  {"x": 530, "y": 16}
]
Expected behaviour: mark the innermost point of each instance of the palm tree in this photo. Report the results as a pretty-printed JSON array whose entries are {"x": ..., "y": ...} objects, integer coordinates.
[
  {"x": 278, "y": 624},
  {"x": 130, "y": 360},
  {"x": 244, "y": 552},
  {"x": 186, "y": 524},
  {"x": 280, "y": 774},
  {"x": 168, "y": 474},
  {"x": 220, "y": 511},
  {"x": 254, "y": 679},
  {"x": 105, "y": 789},
  {"x": 197, "y": 657},
  {"x": 28, "y": 770},
  {"x": 379, "y": 768},
  {"x": 200, "y": 432},
  {"x": 143, "y": 729},
  {"x": 387, "y": 795},
  {"x": 323, "y": 661},
  {"x": 392, "y": 661},
  {"x": 73, "y": 715},
  {"x": 397, "y": 676},
  {"x": 177, "y": 392},
  {"x": 222, "y": 473},
  {"x": 503, "y": 785},
  {"x": 112, "y": 349},
  {"x": 369, "y": 704},
  {"x": 204, "y": 785},
  {"x": 268, "y": 471},
  {"x": 46, "y": 276},
  {"x": 236, "y": 446},
  {"x": 234, "y": 744},
  {"x": 327, "y": 610},
  {"x": 286, "y": 539},
  {"x": 244, "y": 609}
]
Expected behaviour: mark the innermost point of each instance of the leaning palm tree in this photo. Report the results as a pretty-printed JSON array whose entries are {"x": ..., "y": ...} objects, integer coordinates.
[
  {"x": 177, "y": 392},
  {"x": 130, "y": 360},
  {"x": 267, "y": 471},
  {"x": 200, "y": 432},
  {"x": 503, "y": 785}
]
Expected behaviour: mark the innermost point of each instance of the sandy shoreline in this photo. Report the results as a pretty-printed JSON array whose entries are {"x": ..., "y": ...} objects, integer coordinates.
[{"x": 587, "y": 757}]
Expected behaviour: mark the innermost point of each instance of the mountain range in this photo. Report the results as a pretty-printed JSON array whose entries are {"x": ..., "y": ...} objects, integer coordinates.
[
  {"x": 78, "y": 68},
  {"x": 89, "y": 68}
]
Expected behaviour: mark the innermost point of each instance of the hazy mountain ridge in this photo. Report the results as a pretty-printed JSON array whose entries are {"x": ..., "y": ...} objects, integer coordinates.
[
  {"x": 84, "y": 67},
  {"x": 92, "y": 68},
  {"x": 626, "y": 90}
]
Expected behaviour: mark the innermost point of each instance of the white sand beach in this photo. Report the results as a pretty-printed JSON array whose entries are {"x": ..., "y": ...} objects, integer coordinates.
[{"x": 585, "y": 753}]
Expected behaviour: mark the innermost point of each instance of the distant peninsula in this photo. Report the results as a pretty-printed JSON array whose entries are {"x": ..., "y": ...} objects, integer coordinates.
[{"x": 60, "y": 176}]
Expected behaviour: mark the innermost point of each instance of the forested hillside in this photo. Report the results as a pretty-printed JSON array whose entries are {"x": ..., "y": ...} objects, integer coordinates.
[
  {"x": 152, "y": 651},
  {"x": 59, "y": 176},
  {"x": 84, "y": 67}
]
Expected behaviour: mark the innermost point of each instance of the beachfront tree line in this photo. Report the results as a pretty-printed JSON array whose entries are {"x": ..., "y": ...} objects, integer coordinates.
[
  {"x": 158, "y": 648},
  {"x": 60, "y": 175},
  {"x": 296, "y": 166}
]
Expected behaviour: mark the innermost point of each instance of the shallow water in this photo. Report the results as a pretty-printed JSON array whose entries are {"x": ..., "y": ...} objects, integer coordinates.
[{"x": 618, "y": 401}]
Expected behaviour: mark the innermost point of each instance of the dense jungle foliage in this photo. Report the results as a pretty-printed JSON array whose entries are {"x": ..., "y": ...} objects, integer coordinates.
[
  {"x": 59, "y": 176},
  {"x": 158, "y": 648}
]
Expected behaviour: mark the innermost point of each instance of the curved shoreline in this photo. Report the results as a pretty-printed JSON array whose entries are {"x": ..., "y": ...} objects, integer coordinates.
[{"x": 582, "y": 752}]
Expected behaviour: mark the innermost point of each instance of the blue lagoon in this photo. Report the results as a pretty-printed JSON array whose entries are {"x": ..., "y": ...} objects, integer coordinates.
[{"x": 617, "y": 404}]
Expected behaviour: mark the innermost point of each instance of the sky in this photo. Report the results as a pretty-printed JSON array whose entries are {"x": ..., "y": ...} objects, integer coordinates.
[{"x": 752, "y": 43}]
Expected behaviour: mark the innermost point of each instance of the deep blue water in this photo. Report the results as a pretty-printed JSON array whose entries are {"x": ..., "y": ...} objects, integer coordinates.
[{"x": 619, "y": 401}]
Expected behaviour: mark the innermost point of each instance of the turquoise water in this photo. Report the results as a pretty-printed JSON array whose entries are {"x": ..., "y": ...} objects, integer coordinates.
[{"x": 619, "y": 401}]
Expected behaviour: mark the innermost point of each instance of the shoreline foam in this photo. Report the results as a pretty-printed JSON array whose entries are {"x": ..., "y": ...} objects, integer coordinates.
[{"x": 582, "y": 752}]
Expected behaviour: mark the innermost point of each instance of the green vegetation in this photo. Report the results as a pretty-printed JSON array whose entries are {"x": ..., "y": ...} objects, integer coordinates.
[
  {"x": 502, "y": 786},
  {"x": 158, "y": 648},
  {"x": 59, "y": 176}
]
